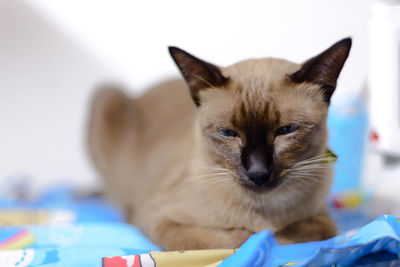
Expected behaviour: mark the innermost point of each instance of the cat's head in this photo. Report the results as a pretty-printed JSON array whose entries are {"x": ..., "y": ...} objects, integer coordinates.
[{"x": 263, "y": 119}]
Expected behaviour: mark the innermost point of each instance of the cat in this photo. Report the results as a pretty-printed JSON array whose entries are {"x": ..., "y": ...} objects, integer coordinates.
[{"x": 243, "y": 150}]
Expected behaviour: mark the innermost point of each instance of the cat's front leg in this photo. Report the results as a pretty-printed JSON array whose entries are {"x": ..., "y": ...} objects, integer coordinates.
[
  {"x": 314, "y": 228},
  {"x": 175, "y": 236}
]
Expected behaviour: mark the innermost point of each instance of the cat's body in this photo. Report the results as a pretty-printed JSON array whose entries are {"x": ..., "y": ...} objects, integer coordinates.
[{"x": 189, "y": 181}]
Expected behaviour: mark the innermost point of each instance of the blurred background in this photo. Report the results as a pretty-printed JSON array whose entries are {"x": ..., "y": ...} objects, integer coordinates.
[{"x": 53, "y": 54}]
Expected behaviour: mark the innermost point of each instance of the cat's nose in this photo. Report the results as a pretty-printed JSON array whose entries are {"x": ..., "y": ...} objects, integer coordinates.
[{"x": 259, "y": 177}]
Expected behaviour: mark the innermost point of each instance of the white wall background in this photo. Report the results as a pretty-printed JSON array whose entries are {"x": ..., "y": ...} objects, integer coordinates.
[{"x": 52, "y": 53}]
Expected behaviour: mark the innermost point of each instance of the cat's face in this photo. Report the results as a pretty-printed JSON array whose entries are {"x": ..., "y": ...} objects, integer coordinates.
[
  {"x": 260, "y": 118},
  {"x": 259, "y": 127}
]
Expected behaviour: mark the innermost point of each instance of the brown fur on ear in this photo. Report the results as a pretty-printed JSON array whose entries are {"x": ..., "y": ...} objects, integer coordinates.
[
  {"x": 197, "y": 73},
  {"x": 324, "y": 69}
]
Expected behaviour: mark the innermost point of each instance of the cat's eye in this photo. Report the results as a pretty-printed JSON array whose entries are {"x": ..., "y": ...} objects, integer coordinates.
[
  {"x": 227, "y": 133},
  {"x": 287, "y": 129}
]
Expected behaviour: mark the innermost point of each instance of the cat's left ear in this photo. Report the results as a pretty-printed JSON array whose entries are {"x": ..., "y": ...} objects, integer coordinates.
[
  {"x": 324, "y": 69},
  {"x": 197, "y": 73}
]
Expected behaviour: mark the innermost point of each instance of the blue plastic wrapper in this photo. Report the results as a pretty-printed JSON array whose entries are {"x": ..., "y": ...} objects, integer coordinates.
[{"x": 376, "y": 243}]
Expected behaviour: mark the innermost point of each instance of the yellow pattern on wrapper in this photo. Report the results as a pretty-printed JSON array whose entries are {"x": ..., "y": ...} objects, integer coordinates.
[
  {"x": 22, "y": 217},
  {"x": 193, "y": 258}
]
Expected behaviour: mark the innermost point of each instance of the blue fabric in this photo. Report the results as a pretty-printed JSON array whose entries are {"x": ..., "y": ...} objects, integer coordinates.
[
  {"x": 83, "y": 244},
  {"x": 92, "y": 230},
  {"x": 86, "y": 209},
  {"x": 90, "y": 235}
]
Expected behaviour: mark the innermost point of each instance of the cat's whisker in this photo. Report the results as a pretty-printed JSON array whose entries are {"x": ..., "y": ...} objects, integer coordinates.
[
  {"x": 208, "y": 180},
  {"x": 293, "y": 186},
  {"x": 215, "y": 169},
  {"x": 323, "y": 156},
  {"x": 213, "y": 173},
  {"x": 312, "y": 158},
  {"x": 308, "y": 180},
  {"x": 212, "y": 178},
  {"x": 311, "y": 174},
  {"x": 314, "y": 172},
  {"x": 304, "y": 179},
  {"x": 311, "y": 166},
  {"x": 220, "y": 180},
  {"x": 296, "y": 186},
  {"x": 315, "y": 169},
  {"x": 324, "y": 159},
  {"x": 202, "y": 177},
  {"x": 305, "y": 176}
]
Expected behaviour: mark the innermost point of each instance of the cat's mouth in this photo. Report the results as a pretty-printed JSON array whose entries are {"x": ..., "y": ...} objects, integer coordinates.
[{"x": 264, "y": 186}]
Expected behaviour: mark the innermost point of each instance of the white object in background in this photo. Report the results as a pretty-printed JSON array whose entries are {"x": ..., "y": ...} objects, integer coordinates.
[
  {"x": 383, "y": 164},
  {"x": 385, "y": 198},
  {"x": 384, "y": 80}
]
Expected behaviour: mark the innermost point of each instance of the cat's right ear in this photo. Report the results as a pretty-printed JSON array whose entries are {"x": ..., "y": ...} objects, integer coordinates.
[
  {"x": 324, "y": 69},
  {"x": 197, "y": 73}
]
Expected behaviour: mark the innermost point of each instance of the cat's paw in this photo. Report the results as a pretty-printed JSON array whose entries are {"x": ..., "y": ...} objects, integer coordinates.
[{"x": 319, "y": 227}]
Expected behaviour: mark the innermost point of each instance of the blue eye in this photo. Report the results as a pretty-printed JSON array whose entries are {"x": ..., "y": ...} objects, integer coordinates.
[
  {"x": 287, "y": 129},
  {"x": 227, "y": 133}
]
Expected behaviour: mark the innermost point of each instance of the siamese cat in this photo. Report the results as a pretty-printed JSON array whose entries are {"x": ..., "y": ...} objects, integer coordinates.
[{"x": 207, "y": 162}]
